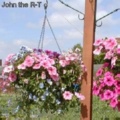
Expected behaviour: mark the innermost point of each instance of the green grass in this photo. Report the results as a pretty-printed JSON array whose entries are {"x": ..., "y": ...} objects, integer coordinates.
[{"x": 101, "y": 111}]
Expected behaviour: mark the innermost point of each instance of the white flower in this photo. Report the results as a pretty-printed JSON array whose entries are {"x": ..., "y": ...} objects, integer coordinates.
[
  {"x": 49, "y": 81},
  {"x": 58, "y": 102},
  {"x": 41, "y": 85},
  {"x": 43, "y": 97}
]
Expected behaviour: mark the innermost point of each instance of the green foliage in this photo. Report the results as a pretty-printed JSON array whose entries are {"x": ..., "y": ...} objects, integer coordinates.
[
  {"x": 101, "y": 111},
  {"x": 99, "y": 59},
  {"x": 77, "y": 46}
]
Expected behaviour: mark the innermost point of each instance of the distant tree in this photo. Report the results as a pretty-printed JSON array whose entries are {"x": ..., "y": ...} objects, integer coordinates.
[{"x": 77, "y": 46}]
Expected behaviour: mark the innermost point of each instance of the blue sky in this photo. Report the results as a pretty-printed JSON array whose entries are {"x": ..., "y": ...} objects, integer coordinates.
[{"x": 22, "y": 26}]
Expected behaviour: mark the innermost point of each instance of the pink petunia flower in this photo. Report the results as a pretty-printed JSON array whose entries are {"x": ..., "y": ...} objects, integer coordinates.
[
  {"x": 109, "y": 80},
  {"x": 98, "y": 42},
  {"x": 110, "y": 43},
  {"x": 37, "y": 66},
  {"x": 109, "y": 55},
  {"x": 67, "y": 95},
  {"x": 8, "y": 69},
  {"x": 97, "y": 51},
  {"x": 46, "y": 64},
  {"x": 21, "y": 66},
  {"x": 52, "y": 70},
  {"x": 113, "y": 61},
  {"x": 43, "y": 75},
  {"x": 12, "y": 77},
  {"x": 99, "y": 72},
  {"x": 113, "y": 102},
  {"x": 107, "y": 74},
  {"x": 108, "y": 94},
  {"x": 79, "y": 96},
  {"x": 55, "y": 77},
  {"x": 28, "y": 61}
]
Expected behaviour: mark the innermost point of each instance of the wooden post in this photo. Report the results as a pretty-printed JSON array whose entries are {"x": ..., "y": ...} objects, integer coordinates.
[
  {"x": 0, "y": 62},
  {"x": 89, "y": 36}
]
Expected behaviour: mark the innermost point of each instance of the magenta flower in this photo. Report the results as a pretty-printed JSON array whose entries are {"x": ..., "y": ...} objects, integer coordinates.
[
  {"x": 108, "y": 94},
  {"x": 99, "y": 72},
  {"x": 106, "y": 64},
  {"x": 113, "y": 102},
  {"x": 96, "y": 89},
  {"x": 67, "y": 95},
  {"x": 12, "y": 77},
  {"x": 117, "y": 84},
  {"x": 28, "y": 61},
  {"x": 102, "y": 97},
  {"x": 109, "y": 80},
  {"x": 107, "y": 74}
]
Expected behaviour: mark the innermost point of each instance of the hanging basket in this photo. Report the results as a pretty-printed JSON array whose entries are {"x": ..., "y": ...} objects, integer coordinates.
[
  {"x": 46, "y": 78},
  {"x": 107, "y": 80}
]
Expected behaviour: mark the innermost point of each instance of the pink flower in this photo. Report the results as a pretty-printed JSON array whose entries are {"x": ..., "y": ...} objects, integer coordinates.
[
  {"x": 106, "y": 64},
  {"x": 67, "y": 95},
  {"x": 52, "y": 70},
  {"x": 46, "y": 64},
  {"x": 110, "y": 43},
  {"x": 108, "y": 94},
  {"x": 97, "y": 51},
  {"x": 98, "y": 42},
  {"x": 108, "y": 74},
  {"x": 101, "y": 96},
  {"x": 28, "y": 61},
  {"x": 96, "y": 90},
  {"x": 118, "y": 49},
  {"x": 117, "y": 76},
  {"x": 43, "y": 75},
  {"x": 21, "y": 66},
  {"x": 9, "y": 57},
  {"x": 99, "y": 72},
  {"x": 117, "y": 90},
  {"x": 113, "y": 102},
  {"x": 37, "y": 66},
  {"x": 64, "y": 63},
  {"x": 118, "y": 106},
  {"x": 109, "y": 55},
  {"x": 8, "y": 69},
  {"x": 55, "y": 77},
  {"x": 117, "y": 84},
  {"x": 79, "y": 96},
  {"x": 12, "y": 77},
  {"x": 113, "y": 61},
  {"x": 109, "y": 80}
]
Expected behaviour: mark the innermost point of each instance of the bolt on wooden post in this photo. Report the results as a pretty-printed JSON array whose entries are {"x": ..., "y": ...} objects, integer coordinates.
[{"x": 89, "y": 36}]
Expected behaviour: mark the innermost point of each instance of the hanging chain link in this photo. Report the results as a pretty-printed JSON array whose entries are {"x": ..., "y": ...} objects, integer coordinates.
[{"x": 40, "y": 44}]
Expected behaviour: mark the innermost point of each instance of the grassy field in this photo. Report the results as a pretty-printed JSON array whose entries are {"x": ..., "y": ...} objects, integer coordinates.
[{"x": 8, "y": 104}]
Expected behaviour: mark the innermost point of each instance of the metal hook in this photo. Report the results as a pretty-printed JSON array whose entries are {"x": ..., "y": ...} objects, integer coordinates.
[
  {"x": 80, "y": 18},
  {"x": 46, "y": 5},
  {"x": 98, "y": 25}
]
